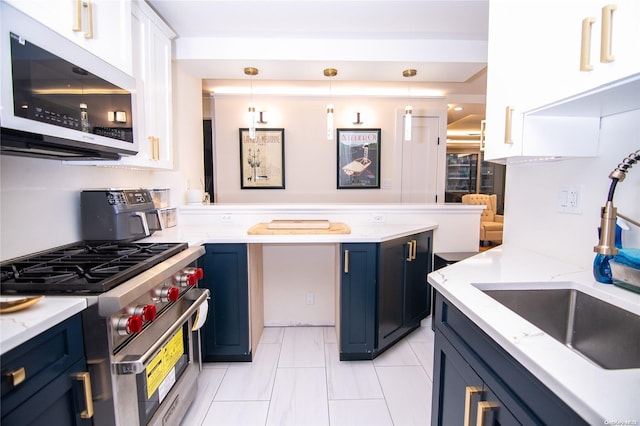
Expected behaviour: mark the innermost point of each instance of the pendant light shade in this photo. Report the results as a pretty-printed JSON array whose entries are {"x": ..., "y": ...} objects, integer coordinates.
[
  {"x": 330, "y": 72},
  {"x": 330, "y": 122},
  {"x": 408, "y": 110},
  {"x": 251, "y": 72}
]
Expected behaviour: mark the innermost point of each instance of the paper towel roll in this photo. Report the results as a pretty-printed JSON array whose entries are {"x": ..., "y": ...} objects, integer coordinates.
[{"x": 201, "y": 316}]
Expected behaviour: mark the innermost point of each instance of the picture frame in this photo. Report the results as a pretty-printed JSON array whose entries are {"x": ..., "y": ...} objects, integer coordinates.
[
  {"x": 262, "y": 159},
  {"x": 358, "y": 158}
]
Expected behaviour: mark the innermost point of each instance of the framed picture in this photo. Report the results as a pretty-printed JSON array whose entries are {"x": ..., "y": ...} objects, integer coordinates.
[
  {"x": 262, "y": 159},
  {"x": 358, "y": 158}
]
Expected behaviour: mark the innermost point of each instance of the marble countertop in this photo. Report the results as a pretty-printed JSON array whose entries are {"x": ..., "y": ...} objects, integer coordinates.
[
  {"x": 18, "y": 327},
  {"x": 596, "y": 394},
  {"x": 237, "y": 233}
]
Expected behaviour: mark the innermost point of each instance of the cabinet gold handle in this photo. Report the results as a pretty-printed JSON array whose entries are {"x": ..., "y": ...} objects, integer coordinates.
[
  {"x": 89, "y": 33},
  {"x": 470, "y": 392},
  {"x": 507, "y": 125},
  {"x": 346, "y": 261},
  {"x": 483, "y": 407},
  {"x": 409, "y": 247},
  {"x": 157, "y": 149},
  {"x": 585, "y": 45},
  {"x": 606, "y": 35},
  {"x": 415, "y": 248},
  {"x": 78, "y": 23},
  {"x": 85, "y": 379},
  {"x": 16, "y": 377}
]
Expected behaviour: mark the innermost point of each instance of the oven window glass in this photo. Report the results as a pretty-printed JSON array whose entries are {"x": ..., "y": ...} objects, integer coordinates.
[{"x": 51, "y": 90}]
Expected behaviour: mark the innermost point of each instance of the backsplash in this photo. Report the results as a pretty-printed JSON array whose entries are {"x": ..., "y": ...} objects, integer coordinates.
[
  {"x": 40, "y": 199},
  {"x": 532, "y": 219}
]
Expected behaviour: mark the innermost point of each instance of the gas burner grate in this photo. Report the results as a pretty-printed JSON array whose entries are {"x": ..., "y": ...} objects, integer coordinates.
[{"x": 87, "y": 267}]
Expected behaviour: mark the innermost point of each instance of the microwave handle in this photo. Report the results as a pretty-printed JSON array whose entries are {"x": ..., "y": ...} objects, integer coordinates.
[
  {"x": 143, "y": 221},
  {"x": 135, "y": 364}
]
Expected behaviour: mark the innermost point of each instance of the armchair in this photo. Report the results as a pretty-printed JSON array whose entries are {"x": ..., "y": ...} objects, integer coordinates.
[{"x": 491, "y": 224}]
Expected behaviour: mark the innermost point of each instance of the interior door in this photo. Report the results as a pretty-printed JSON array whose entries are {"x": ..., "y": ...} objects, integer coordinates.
[{"x": 420, "y": 161}]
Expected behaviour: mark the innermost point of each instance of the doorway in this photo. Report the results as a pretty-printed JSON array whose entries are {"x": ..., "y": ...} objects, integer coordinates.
[{"x": 420, "y": 162}]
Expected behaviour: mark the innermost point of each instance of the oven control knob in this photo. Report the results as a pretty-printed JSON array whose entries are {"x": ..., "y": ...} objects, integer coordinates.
[
  {"x": 193, "y": 275},
  {"x": 129, "y": 324},
  {"x": 149, "y": 313},
  {"x": 169, "y": 294}
]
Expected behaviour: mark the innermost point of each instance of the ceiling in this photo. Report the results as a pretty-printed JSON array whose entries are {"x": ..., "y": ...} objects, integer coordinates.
[{"x": 369, "y": 42}]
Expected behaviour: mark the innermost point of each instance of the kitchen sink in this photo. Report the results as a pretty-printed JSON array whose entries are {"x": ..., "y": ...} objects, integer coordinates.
[{"x": 604, "y": 333}]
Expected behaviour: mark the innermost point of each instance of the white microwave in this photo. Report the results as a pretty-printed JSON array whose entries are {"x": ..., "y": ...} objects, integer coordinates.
[{"x": 58, "y": 100}]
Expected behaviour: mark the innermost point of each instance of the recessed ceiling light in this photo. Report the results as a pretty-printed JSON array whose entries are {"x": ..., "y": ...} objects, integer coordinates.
[{"x": 458, "y": 108}]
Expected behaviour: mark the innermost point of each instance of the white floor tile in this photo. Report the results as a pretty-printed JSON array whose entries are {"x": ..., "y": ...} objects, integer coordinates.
[
  {"x": 251, "y": 381},
  {"x": 398, "y": 355},
  {"x": 299, "y": 398},
  {"x": 364, "y": 412},
  {"x": 302, "y": 347},
  {"x": 421, "y": 334},
  {"x": 350, "y": 379},
  {"x": 272, "y": 335},
  {"x": 407, "y": 391},
  {"x": 330, "y": 335},
  {"x": 245, "y": 413},
  {"x": 208, "y": 383},
  {"x": 424, "y": 352}
]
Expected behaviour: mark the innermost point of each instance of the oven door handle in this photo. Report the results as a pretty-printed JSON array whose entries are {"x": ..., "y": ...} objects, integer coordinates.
[{"x": 135, "y": 364}]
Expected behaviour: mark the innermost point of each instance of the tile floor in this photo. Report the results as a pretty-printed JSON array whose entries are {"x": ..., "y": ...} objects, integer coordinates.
[{"x": 296, "y": 378}]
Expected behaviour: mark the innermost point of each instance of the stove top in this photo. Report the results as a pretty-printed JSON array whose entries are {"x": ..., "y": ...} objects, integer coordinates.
[{"x": 83, "y": 267}]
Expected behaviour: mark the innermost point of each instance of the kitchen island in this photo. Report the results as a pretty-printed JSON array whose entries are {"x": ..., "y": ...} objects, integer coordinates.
[{"x": 596, "y": 394}]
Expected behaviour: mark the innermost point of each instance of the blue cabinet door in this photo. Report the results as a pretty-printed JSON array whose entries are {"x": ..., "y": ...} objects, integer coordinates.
[
  {"x": 225, "y": 335},
  {"x": 357, "y": 300},
  {"x": 418, "y": 291}
]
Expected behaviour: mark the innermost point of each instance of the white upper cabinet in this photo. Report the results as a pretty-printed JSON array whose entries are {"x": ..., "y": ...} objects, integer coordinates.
[
  {"x": 152, "y": 70},
  {"x": 542, "y": 51},
  {"x": 102, "y": 27}
]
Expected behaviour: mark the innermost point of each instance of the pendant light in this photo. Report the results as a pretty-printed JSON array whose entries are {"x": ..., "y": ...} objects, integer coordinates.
[
  {"x": 330, "y": 72},
  {"x": 251, "y": 72},
  {"x": 408, "y": 110}
]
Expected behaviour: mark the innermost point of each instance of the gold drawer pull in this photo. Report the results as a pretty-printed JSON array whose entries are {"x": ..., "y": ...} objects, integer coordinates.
[
  {"x": 409, "y": 251},
  {"x": 89, "y": 33},
  {"x": 78, "y": 23},
  {"x": 585, "y": 45},
  {"x": 16, "y": 377},
  {"x": 483, "y": 408},
  {"x": 606, "y": 35},
  {"x": 470, "y": 392},
  {"x": 85, "y": 379}
]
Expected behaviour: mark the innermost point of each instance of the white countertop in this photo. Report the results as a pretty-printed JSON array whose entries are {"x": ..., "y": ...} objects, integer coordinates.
[
  {"x": 232, "y": 233},
  {"x": 18, "y": 327},
  {"x": 596, "y": 394}
]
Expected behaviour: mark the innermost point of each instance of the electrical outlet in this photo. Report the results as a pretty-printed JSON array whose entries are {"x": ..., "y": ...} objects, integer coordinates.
[
  {"x": 310, "y": 298},
  {"x": 377, "y": 218},
  {"x": 226, "y": 218},
  {"x": 570, "y": 200}
]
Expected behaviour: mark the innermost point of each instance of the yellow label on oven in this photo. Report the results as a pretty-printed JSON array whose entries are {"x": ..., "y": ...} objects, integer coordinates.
[{"x": 163, "y": 362}]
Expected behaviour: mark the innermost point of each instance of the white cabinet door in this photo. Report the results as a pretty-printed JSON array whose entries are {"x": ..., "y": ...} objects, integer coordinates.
[
  {"x": 534, "y": 55},
  {"x": 152, "y": 69},
  {"x": 103, "y": 27}
]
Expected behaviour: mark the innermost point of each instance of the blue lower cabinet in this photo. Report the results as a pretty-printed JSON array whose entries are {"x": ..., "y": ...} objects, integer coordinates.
[
  {"x": 384, "y": 293},
  {"x": 42, "y": 379},
  {"x": 225, "y": 334},
  {"x": 475, "y": 381}
]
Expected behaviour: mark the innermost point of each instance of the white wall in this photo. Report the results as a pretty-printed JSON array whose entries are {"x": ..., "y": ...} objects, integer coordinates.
[
  {"x": 310, "y": 159},
  {"x": 532, "y": 219}
]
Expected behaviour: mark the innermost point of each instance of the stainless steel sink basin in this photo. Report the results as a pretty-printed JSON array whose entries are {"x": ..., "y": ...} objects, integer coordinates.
[{"x": 606, "y": 334}]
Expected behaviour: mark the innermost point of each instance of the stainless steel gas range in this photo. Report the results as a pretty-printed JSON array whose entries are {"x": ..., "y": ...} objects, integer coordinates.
[{"x": 141, "y": 328}]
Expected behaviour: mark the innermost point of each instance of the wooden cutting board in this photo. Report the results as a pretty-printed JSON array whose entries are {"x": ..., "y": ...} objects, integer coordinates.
[{"x": 264, "y": 229}]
